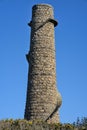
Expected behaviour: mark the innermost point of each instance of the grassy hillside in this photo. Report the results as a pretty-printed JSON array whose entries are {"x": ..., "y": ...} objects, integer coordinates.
[{"x": 37, "y": 125}]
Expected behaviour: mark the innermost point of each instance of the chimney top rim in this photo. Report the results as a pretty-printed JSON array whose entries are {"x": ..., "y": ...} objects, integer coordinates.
[{"x": 42, "y": 4}]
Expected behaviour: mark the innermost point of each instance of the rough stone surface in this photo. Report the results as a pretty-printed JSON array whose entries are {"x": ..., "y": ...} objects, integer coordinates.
[{"x": 42, "y": 100}]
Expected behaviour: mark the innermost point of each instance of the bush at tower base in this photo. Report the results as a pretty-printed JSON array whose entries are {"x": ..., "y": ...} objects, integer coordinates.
[{"x": 20, "y": 124}]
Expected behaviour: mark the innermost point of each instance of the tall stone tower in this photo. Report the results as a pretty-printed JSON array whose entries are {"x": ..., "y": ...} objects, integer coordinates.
[{"x": 43, "y": 100}]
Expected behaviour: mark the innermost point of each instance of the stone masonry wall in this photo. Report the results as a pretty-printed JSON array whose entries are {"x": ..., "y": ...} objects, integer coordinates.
[{"x": 42, "y": 95}]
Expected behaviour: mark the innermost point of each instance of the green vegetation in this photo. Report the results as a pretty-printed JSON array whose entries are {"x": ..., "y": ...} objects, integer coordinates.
[
  {"x": 81, "y": 123},
  {"x": 40, "y": 125}
]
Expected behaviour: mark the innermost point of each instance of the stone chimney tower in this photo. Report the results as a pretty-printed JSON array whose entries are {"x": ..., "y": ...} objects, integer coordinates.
[{"x": 42, "y": 100}]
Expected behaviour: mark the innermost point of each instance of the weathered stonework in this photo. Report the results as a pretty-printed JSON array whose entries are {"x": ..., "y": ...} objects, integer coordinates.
[{"x": 42, "y": 100}]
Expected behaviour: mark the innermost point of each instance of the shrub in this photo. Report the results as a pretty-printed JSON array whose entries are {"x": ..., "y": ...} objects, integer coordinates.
[{"x": 38, "y": 125}]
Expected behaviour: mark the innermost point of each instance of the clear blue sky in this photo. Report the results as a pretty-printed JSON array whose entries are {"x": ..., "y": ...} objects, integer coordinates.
[{"x": 71, "y": 56}]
